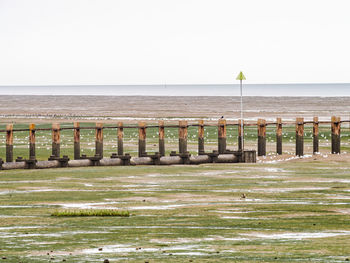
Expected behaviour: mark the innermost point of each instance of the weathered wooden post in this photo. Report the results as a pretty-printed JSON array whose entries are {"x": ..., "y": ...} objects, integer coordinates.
[
  {"x": 9, "y": 143},
  {"x": 142, "y": 138},
  {"x": 335, "y": 134},
  {"x": 299, "y": 137},
  {"x": 161, "y": 138},
  {"x": 222, "y": 136},
  {"x": 279, "y": 136},
  {"x": 99, "y": 140},
  {"x": 183, "y": 137},
  {"x": 56, "y": 140},
  {"x": 120, "y": 139},
  {"x": 240, "y": 134},
  {"x": 76, "y": 133},
  {"x": 32, "y": 141},
  {"x": 261, "y": 137},
  {"x": 315, "y": 135},
  {"x": 200, "y": 137}
]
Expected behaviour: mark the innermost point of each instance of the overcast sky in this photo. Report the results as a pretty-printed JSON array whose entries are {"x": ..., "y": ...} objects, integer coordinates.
[{"x": 174, "y": 41}]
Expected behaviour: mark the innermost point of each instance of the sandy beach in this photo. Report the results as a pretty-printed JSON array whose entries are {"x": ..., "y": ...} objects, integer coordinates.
[{"x": 130, "y": 108}]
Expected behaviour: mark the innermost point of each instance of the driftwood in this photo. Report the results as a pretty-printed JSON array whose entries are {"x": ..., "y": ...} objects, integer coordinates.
[
  {"x": 169, "y": 160},
  {"x": 227, "y": 158},
  {"x": 13, "y": 165},
  {"x": 141, "y": 161},
  {"x": 200, "y": 159},
  {"x": 111, "y": 161},
  {"x": 80, "y": 163},
  {"x": 47, "y": 164}
]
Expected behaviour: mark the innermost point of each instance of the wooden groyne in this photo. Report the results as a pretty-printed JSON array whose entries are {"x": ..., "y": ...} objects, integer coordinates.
[{"x": 181, "y": 156}]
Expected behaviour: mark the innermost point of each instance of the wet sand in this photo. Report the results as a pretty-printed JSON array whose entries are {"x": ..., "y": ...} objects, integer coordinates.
[{"x": 128, "y": 108}]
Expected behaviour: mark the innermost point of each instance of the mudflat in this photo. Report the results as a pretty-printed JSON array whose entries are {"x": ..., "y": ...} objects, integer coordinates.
[
  {"x": 128, "y": 108},
  {"x": 264, "y": 212}
]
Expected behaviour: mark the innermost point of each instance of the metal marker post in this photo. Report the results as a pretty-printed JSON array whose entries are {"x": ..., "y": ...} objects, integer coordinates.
[{"x": 241, "y": 77}]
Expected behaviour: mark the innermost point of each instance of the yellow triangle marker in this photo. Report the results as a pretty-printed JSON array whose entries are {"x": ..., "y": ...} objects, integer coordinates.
[{"x": 240, "y": 76}]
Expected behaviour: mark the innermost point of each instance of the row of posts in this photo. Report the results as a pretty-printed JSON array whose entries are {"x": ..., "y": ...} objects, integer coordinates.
[
  {"x": 183, "y": 134},
  {"x": 299, "y": 136}
]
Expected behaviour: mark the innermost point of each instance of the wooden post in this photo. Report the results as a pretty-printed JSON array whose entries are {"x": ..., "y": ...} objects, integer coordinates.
[
  {"x": 200, "y": 137},
  {"x": 240, "y": 134},
  {"x": 142, "y": 139},
  {"x": 222, "y": 136},
  {"x": 261, "y": 137},
  {"x": 161, "y": 138},
  {"x": 299, "y": 137},
  {"x": 183, "y": 136},
  {"x": 335, "y": 134},
  {"x": 76, "y": 141},
  {"x": 315, "y": 135},
  {"x": 99, "y": 140},
  {"x": 120, "y": 139},
  {"x": 32, "y": 141},
  {"x": 56, "y": 139},
  {"x": 279, "y": 136},
  {"x": 9, "y": 143}
]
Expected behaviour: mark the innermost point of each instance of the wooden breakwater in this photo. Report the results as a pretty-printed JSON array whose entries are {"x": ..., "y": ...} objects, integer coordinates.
[{"x": 182, "y": 156}]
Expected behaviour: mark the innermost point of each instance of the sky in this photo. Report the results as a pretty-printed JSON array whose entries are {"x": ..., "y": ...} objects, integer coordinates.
[{"x": 114, "y": 42}]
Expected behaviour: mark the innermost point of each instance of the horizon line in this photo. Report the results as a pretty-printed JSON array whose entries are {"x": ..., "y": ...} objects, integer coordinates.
[{"x": 179, "y": 84}]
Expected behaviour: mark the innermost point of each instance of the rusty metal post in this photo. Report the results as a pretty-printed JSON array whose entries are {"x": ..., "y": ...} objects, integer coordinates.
[
  {"x": 142, "y": 139},
  {"x": 161, "y": 138},
  {"x": 76, "y": 133},
  {"x": 315, "y": 135},
  {"x": 279, "y": 136},
  {"x": 120, "y": 139},
  {"x": 9, "y": 143},
  {"x": 32, "y": 141},
  {"x": 299, "y": 137},
  {"x": 240, "y": 134},
  {"x": 335, "y": 134},
  {"x": 222, "y": 136},
  {"x": 99, "y": 139},
  {"x": 261, "y": 137},
  {"x": 183, "y": 137},
  {"x": 200, "y": 137},
  {"x": 56, "y": 140}
]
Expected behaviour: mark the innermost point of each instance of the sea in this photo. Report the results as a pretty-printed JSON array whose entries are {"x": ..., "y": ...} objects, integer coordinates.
[{"x": 290, "y": 90}]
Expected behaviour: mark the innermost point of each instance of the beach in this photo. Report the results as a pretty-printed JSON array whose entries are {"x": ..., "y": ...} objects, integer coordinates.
[{"x": 130, "y": 109}]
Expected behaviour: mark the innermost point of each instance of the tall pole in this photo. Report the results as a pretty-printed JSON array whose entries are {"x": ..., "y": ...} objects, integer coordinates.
[
  {"x": 241, "y": 77},
  {"x": 242, "y": 135}
]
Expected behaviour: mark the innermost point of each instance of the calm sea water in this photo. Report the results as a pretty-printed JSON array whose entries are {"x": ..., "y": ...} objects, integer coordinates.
[{"x": 320, "y": 90}]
